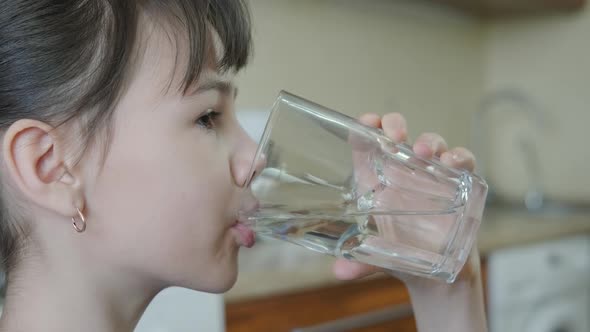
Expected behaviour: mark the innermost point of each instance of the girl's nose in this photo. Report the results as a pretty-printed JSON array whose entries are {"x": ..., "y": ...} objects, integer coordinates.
[{"x": 246, "y": 164}]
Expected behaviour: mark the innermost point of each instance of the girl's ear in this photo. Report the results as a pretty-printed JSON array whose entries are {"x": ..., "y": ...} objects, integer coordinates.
[{"x": 35, "y": 160}]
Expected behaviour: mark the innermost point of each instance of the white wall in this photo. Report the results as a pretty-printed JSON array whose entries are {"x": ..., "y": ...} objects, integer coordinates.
[
  {"x": 549, "y": 58},
  {"x": 369, "y": 56}
]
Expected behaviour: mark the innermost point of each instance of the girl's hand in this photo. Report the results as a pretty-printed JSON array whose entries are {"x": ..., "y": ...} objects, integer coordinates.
[{"x": 427, "y": 145}]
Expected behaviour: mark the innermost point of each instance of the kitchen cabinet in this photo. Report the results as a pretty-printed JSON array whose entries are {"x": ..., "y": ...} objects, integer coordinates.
[
  {"x": 312, "y": 307},
  {"x": 502, "y": 8}
]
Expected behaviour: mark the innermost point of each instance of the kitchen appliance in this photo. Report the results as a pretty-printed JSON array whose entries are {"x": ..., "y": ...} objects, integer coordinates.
[{"x": 541, "y": 288}]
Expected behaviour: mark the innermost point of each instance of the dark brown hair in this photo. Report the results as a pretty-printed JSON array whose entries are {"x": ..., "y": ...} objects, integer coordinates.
[{"x": 64, "y": 60}]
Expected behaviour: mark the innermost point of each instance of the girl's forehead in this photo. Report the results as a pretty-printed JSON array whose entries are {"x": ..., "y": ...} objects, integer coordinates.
[{"x": 164, "y": 54}]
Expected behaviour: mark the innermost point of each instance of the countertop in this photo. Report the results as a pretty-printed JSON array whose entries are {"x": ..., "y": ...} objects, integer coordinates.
[{"x": 273, "y": 267}]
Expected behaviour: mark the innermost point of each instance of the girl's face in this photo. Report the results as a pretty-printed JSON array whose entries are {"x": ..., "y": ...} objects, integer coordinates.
[{"x": 163, "y": 204}]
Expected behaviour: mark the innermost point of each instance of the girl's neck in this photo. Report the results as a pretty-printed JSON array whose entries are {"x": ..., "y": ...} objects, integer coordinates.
[{"x": 66, "y": 299}]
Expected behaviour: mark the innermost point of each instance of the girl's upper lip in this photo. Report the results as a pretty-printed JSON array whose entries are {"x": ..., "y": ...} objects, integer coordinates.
[
  {"x": 248, "y": 205},
  {"x": 242, "y": 218},
  {"x": 251, "y": 205}
]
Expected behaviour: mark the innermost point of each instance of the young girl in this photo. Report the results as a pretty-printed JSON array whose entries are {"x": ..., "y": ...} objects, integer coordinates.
[{"x": 122, "y": 163}]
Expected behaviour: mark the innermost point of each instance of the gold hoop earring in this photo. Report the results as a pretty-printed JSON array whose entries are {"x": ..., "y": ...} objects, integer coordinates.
[{"x": 82, "y": 226}]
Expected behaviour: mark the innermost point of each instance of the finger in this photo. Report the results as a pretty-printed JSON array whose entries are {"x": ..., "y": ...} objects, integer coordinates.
[
  {"x": 371, "y": 119},
  {"x": 350, "y": 270},
  {"x": 359, "y": 142},
  {"x": 429, "y": 145},
  {"x": 395, "y": 127},
  {"x": 459, "y": 158}
]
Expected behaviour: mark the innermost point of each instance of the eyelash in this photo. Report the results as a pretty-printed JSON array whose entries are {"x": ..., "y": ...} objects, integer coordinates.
[{"x": 208, "y": 120}]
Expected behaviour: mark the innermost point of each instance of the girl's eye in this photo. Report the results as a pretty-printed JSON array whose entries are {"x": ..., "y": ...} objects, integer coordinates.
[{"x": 208, "y": 120}]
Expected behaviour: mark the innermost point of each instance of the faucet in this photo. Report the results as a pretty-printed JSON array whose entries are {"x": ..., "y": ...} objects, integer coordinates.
[{"x": 533, "y": 199}]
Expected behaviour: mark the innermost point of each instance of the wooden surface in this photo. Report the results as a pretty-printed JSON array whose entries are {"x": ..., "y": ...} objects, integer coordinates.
[
  {"x": 315, "y": 306},
  {"x": 502, "y": 8},
  {"x": 284, "y": 312}
]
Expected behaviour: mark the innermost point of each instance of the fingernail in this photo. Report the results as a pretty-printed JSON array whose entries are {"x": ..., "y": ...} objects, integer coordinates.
[
  {"x": 432, "y": 146},
  {"x": 457, "y": 158},
  {"x": 398, "y": 126}
]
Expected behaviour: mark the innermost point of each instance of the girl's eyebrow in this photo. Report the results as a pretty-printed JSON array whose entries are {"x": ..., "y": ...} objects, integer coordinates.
[{"x": 225, "y": 87}]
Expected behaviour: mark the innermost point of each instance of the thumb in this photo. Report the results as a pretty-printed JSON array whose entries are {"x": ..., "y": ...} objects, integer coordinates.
[{"x": 349, "y": 270}]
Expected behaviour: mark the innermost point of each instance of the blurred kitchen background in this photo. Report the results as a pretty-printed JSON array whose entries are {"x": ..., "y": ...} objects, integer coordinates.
[{"x": 508, "y": 79}]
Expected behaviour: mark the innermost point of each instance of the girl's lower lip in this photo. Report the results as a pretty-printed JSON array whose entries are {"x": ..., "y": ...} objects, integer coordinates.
[{"x": 245, "y": 234}]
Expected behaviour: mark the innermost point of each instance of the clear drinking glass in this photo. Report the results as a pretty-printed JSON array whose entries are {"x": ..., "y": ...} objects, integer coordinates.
[{"x": 336, "y": 186}]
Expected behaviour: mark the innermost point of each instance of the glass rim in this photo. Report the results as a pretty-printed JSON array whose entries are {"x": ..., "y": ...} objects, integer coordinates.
[{"x": 265, "y": 137}]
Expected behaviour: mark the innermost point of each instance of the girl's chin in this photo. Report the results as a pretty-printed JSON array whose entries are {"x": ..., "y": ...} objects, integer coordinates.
[{"x": 223, "y": 282}]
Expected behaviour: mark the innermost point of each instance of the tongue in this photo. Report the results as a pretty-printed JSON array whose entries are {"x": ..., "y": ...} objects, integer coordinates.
[{"x": 246, "y": 235}]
